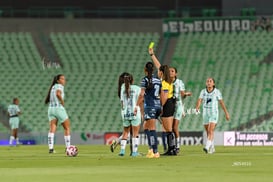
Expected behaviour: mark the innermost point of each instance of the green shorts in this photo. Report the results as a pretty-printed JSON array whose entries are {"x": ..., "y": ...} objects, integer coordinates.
[
  {"x": 14, "y": 122},
  {"x": 134, "y": 122},
  {"x": 213, "y": 118},
  {"x": 58, "y": 113}
]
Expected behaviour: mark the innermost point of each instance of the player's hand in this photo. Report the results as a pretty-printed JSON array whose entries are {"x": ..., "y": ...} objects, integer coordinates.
[
  {"x": 189, "y": 94},
  {"x": 151, "y": 51},
  {"x": 197, "y": 111},
  {"x": 135, "y": 110}
]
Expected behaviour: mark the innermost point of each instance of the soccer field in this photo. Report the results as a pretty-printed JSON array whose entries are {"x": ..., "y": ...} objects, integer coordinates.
[{"x": 97, "y": 163}]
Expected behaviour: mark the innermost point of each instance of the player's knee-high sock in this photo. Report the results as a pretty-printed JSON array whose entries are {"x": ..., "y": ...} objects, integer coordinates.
[
  {"x": 208, "y": 144},
  {"x": 50, "y": 140},
  {"x": 11, "y": 138},
  {"x": 171, "y": 141},
  {"x": 123, "y": 146},
  {"x": 153, "y": 140},
  {"x": 135, "y": 143},
  {"x": 147, "y": 132},
  {"x": 177, "y": 143},
  {"x": 67, "y": 140}
]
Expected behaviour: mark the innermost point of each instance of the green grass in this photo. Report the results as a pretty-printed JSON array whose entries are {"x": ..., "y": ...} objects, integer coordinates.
[{"x": 97, "y": 163}]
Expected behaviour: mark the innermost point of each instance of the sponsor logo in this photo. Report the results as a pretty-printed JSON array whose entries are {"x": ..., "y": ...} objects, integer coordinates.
[{"x": 225, "y": 25}]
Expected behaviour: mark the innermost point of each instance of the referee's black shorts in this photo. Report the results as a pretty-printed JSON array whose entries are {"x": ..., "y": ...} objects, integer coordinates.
[{"x": 168, "y": 108}]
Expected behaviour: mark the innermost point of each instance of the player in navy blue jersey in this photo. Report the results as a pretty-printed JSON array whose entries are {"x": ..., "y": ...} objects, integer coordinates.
[{"x": 150, "y": 93}]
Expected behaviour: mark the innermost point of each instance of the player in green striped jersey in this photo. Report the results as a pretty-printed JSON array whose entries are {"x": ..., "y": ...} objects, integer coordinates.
[
  {"x": 56, "y": 111},
  {"x": 128, "y": 96},
  {"x": 209, "y": 97},
  {"x": 14, "y": 112}
]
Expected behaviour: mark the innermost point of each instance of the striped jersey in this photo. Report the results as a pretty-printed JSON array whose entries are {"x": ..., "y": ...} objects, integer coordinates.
[
  {"x": 13, "y": 109},
  {"x": 210, "y": 101},
  {"x": 54, "y": 101},
  {"x": 178, "y": 87},
  {"x": 129, "y": 103},
  {"x": 152, "y": 95}
]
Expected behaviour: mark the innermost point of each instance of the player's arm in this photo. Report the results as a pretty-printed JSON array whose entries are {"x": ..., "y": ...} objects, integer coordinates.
[
  {"x": 184, "y": 94},
  {"x": 59, "y": 96},
  {"x": 19, "y": 112},
  {"x": 224, "y": 109},
  {"x": 140, "y": 100},
  {"x": 198, "y": 104},
  {"x": 154, "y": 58}
]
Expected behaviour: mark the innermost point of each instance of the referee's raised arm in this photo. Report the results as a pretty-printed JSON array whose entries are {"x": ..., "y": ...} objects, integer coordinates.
[{"x": 154, "y": 58}]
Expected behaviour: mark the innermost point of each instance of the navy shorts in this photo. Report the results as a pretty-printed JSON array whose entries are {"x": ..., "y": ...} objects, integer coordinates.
[{"x": 152, "y": 112}]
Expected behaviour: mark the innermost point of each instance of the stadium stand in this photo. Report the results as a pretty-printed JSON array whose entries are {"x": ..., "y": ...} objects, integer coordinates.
[
  {"x": 92, "y": 61},
  {"x": 238, "y": 62}
]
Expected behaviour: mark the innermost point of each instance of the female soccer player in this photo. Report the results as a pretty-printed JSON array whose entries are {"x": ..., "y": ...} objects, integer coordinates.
[
  {"x": 116, "y": 142},
  {"x": 128, "y": 96},
  {"x": 56, "y": 111},
  {"x": 167, "y": 102},
  {"x": 150, "y": 93},
  {"x": 179, "y": 93},
  {"x": 14, "y": 112},
  {"x": 209, "y": 97}
]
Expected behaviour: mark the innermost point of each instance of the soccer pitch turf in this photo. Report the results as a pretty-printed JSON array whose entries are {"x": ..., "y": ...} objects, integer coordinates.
[{"x": 97, "y": 163}]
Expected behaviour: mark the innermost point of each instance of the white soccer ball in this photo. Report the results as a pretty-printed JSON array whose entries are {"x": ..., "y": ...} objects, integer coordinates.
[{"x": 72, "y": 151}]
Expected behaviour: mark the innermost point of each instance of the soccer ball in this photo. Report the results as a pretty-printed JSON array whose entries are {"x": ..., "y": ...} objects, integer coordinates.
[{"x": 72, "y": 151}]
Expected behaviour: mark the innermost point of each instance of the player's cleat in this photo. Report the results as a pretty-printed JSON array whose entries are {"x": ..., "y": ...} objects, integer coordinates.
[
  {"x": 205, "y": 150},
  {"x": 122, "y": 152},
  {"x": 150, "y": 153},
  {"x": 170, "y": 152},
  {"x": 211, "y": 150},
  {"x": 156, "y": 155},
  {"x": 113, "y": 145},
  {"x": 177, "y": 150},
  {"x": 51, "y": 151},
  {"x": 135, "y": 154}
]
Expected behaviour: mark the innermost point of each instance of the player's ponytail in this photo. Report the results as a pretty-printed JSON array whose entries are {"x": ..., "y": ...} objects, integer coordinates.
[
  {"x": 54, "y": 81},
  {"x": 121, "y": 81},
  {"x": 128, "y": 80},
  {"x": 149, "y": 67}
]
